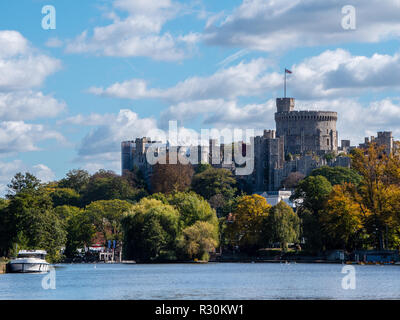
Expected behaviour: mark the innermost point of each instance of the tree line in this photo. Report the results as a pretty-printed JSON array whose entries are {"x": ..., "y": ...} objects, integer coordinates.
[{"x": 186, "y": 213}]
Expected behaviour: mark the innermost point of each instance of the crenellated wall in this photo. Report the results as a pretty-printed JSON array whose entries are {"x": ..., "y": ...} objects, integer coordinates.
[{"x": 306, "y": 131}]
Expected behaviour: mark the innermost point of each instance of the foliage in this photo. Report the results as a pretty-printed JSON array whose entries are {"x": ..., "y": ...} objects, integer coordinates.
[
  {"x": 338, "y": 175},
  {"x": 192, "y": 208},
  {"x": 314, "y": 192},
  {"x": 379, "y": 191},
  {"x": 214, "y": 181},
  {"x": 76, "y": 179},
  {"x": 35, "y": 224},
  {"x": 198, "y": 240},
  {"x": 64, "y": 196},
  {"x": 168, "y": 178},
  {"x": 79, "y": 227},
  {"x": 150, "y": 229},
  {"x": 22, "y": 182},
  {"x": 249, "y": 216},
  {"x": 106, "y": 215},
  {"x": 282, "y": 225},
  {"x": 343, "y": 219},
  {"x": 106, "y": 185}
]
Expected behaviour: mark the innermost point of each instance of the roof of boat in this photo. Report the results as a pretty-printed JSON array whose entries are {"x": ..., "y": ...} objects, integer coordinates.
[{"x": 32, "y": 252}]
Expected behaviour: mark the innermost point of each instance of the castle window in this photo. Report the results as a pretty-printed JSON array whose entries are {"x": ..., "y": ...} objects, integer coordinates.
[{"x": 327, "y": 142}]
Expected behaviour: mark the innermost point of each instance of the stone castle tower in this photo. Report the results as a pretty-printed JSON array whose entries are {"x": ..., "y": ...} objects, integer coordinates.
[{"x": 305, "y": 131}]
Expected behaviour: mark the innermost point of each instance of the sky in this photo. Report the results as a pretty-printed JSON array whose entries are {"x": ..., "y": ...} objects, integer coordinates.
[{"x": 75, "y": 84}]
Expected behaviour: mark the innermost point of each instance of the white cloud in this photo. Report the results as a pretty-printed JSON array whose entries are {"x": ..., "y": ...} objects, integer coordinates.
[
  {"x": 138, "y": 34},
  {"x": 243, "y": 79},
  {"x": 100, "y": 148},
  {"x": 28, "y": 105},
  {"x": 333, "y": 73},
  {"x": 338, "y": 73},
  {"x": 21, "y": 67},
  {"x": 18, "y": 136},
  {"x": 269, "y": 25}
]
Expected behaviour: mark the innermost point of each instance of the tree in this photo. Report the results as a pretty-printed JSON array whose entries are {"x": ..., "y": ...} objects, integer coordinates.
[
  {"x": 343, "y": 219},
  {"x": 35, "y": 224},
  {"x": 168, "y": 178},
  {"x": 249, "y": 216},
  {"x": 198, "y": 240},
  {"x": 6, "y": 228},
  {"x": 76, "y": 179},
  {"x": 79, "y": 227},
  {"x": 135, "y": 178},
  {"x": 150, "y": 230},
  {"x": 379, "y": 190},
  {"x": 106, "y": 185},
  {"x": 192, "y": 208},
  {"x": 292, "y": 180},
  {"x": 106, "y": 215},
  {"x": 312, "y": 194},
  {"x": 214, "y": 181},
  {"x": 202, "y": 167},
  {"x": 21, "y": 182},
  {"x": 64, "y": 196},
  {"x": 282, "y": 225},
  {"x": 338, "y": 175}
]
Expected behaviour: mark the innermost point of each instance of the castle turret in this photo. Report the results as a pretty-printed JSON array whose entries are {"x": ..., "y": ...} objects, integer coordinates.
[
  {"x": 305, "y": 131},
  {"x": 285, "y": 104}
]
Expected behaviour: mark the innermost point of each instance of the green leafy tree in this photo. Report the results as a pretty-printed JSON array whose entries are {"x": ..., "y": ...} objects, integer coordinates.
[
  {"x": 218, "y": 186},
  {"x": 106, "y": 215},
  {"x": 79, "y": 227},
  {"x": 150, "y": 230},
  {"x": 199, "y": 240},
  {"x": 22, "y": 182},
  {"x": 35, "y": 224},
  {"x": 282, "y": 225},
  {"x": 64, "y": 196},
  {"x": 76, "y": 179},
  {"x": 214, "y": 181},
  {"x": 192, "y": 208},
  {"x": 106, "y": 185},
  {"x": 313, "y": 193},
  {"x": 338, "y": 175},
  {"x": 6, "y": 228}
]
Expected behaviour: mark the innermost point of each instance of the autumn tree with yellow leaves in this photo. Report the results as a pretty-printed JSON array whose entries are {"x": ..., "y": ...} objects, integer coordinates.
[
  {"x": 248, "y": 219},
  {"x": 379, "y": 194}
]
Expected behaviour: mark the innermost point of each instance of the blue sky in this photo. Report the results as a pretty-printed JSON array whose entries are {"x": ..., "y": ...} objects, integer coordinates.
[{"x": 114, "y": 70}]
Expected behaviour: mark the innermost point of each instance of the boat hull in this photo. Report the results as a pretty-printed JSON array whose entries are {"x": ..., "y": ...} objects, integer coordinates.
[{"x": 28, "y": 267}]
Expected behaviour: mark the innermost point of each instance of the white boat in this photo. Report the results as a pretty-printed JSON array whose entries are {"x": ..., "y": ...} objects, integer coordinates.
[{"x": 28, "y": 261}]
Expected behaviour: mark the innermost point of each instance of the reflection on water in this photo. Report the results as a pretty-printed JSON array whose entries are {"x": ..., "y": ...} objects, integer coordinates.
[{"x": 204, "y": 281}]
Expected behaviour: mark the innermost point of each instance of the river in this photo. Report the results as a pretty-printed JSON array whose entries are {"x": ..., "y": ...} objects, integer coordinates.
[{"x": 203, "y": 281}]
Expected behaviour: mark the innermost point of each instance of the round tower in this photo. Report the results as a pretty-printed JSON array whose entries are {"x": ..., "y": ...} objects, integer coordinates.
[{"x": 305, "y": 131}]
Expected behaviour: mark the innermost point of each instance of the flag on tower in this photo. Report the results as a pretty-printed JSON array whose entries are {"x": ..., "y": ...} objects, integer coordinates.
[{"x": 288, "y": 71}]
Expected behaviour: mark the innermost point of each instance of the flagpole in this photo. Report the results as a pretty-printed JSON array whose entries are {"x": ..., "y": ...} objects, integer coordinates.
[{"x": 285, "y": 85}]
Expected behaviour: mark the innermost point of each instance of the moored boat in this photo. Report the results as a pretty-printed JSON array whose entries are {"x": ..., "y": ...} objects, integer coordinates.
[{"x": 28, "y": 261}]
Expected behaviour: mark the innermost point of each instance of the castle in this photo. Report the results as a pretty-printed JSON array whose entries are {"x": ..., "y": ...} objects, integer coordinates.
[{"x": 302, "y": 141}]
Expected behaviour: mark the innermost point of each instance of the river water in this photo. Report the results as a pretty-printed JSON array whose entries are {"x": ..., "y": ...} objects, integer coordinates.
[{"x": 203, "y": 281}]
